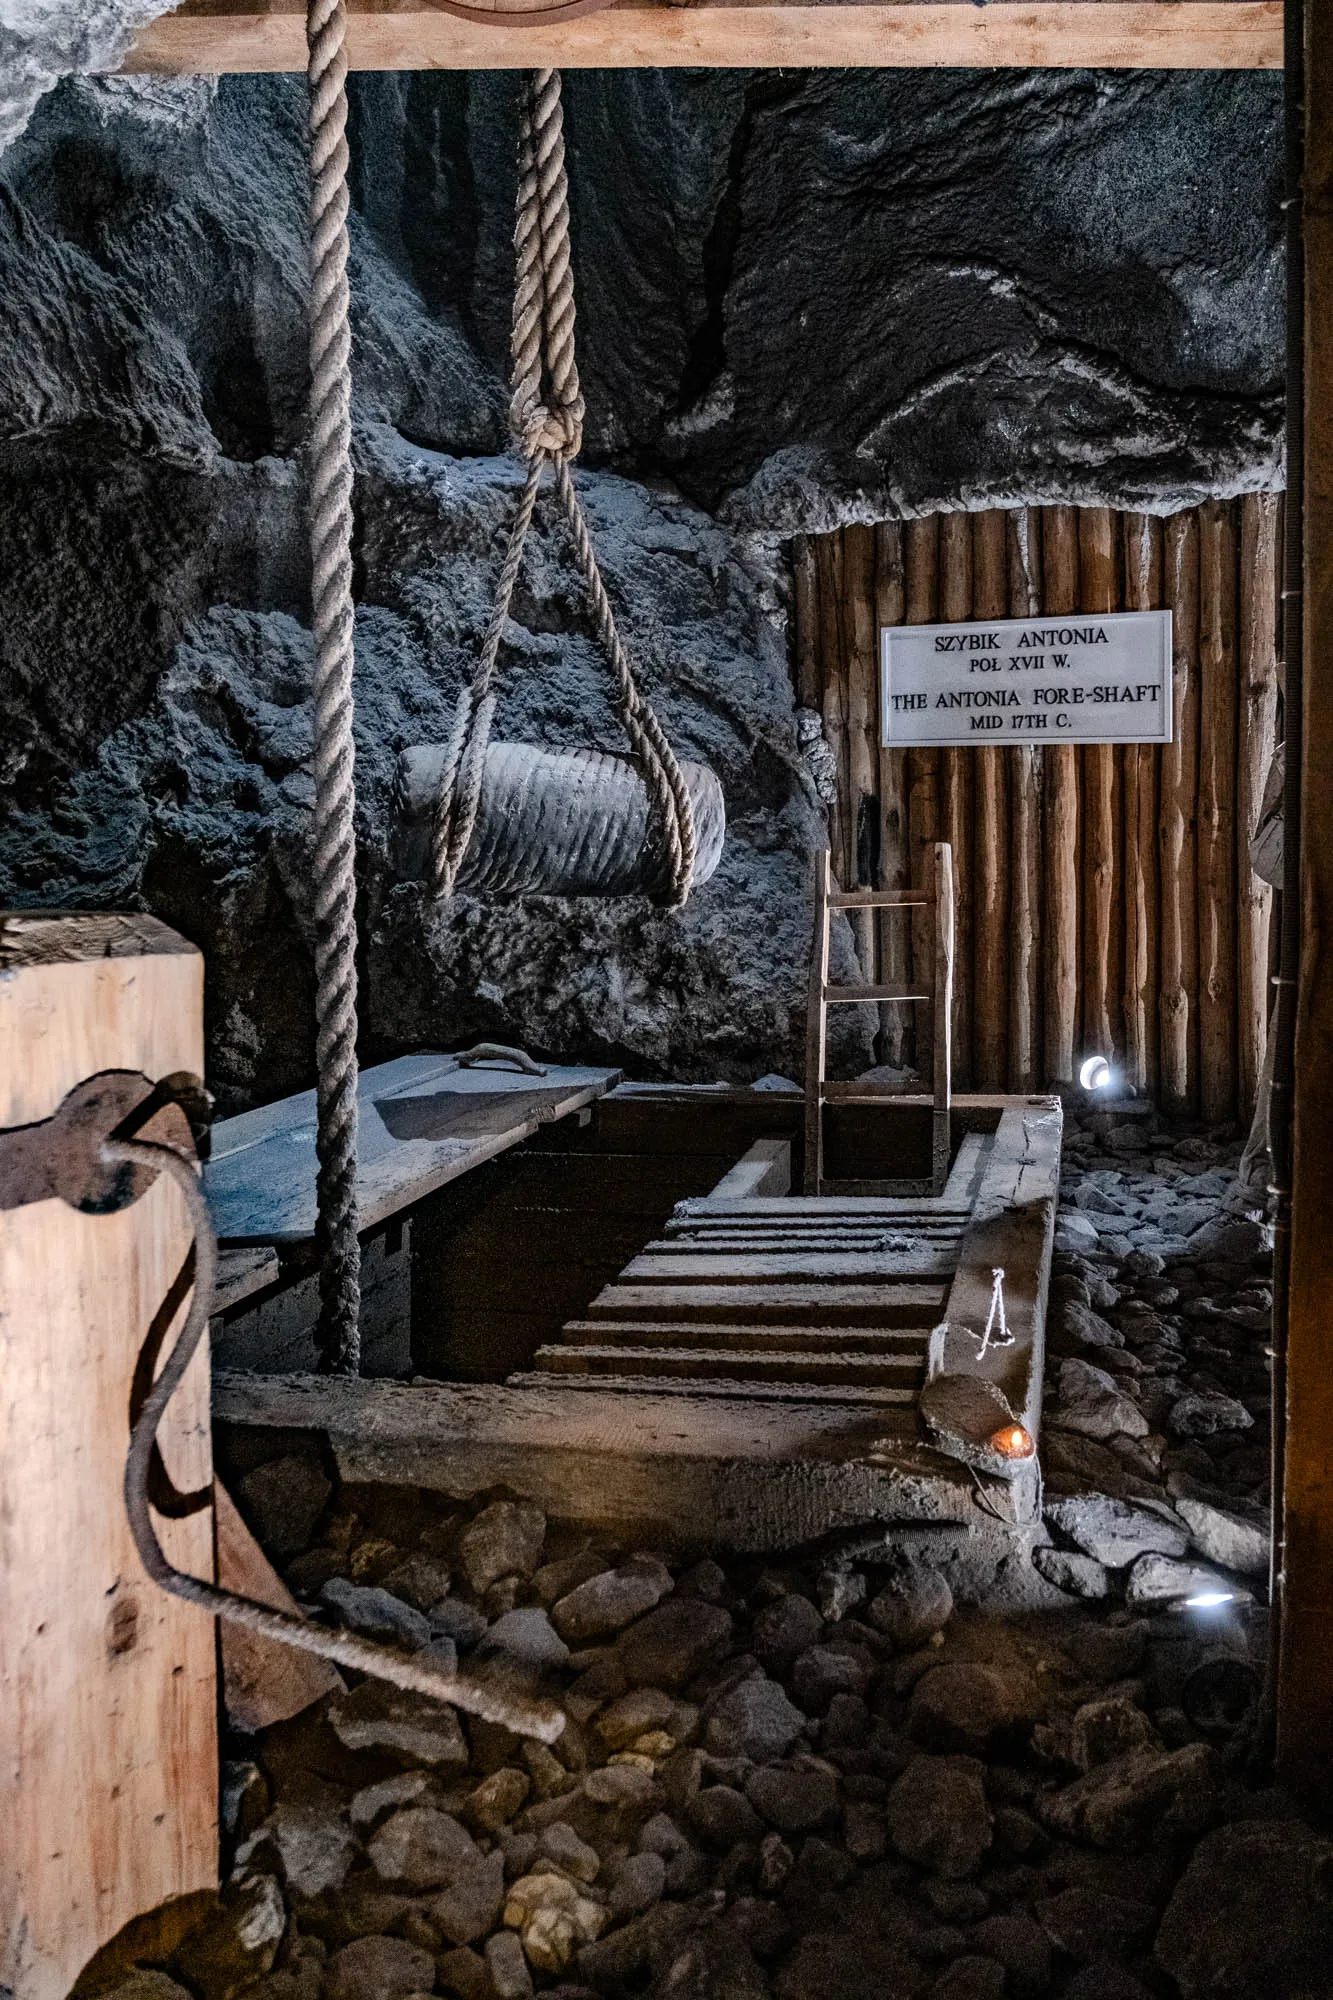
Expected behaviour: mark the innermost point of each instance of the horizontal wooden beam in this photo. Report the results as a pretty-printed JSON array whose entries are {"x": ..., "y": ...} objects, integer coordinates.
[{"x": 203, "y": 38}]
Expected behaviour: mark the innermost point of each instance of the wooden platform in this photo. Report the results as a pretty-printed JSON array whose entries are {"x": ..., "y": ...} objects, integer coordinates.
[
  {"x": 859, "y": 1298},
  {"x": 752, "y": 1377},
  {"x": 424, "y": 1121}
]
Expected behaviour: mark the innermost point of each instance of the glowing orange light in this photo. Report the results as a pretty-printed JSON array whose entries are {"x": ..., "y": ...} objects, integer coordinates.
[{"x": 1013, "y": 1442}]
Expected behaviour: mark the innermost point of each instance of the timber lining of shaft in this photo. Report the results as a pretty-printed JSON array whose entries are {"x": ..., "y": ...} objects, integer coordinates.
[{"x": 751, "y": 1377}]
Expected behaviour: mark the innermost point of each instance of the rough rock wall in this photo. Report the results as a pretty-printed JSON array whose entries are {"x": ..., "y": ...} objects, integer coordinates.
[
  {"x": 827, "y": 295},
  {"x": 739, "y": 347},
  {"x": 43, "y": 40}
]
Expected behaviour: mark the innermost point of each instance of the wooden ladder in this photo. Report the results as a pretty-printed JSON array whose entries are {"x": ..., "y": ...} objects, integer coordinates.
[{"x": 818, "y": 1090}]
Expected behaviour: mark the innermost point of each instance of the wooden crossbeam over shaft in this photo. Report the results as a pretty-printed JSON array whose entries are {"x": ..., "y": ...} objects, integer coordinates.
[{"x": 211, "y": 36}]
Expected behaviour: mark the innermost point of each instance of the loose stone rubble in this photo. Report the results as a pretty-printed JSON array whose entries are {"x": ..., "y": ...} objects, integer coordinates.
[{"x": 781, "y": 1777}]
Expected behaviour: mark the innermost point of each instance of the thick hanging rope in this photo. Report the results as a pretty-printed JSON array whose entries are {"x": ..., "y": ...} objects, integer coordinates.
[
  {"x": 546, "y": 414},
  {"x": 335, "y": 797}
]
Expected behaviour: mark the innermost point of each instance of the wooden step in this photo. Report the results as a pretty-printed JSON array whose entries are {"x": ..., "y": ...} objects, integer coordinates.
[
  {"x": 867, "y": 1398},
  {"x": 858, "y": 995},
  {"x": 761, "y": 1336},
  {"x": 891, "y": 1371},
  {"x": 786, "y": 1304},
  {"x": 822, "y": 1207},
  {"x": 688, "y": 1266},
  {"x": 800, "y": 1226},
  {"x": 770, "y": 1242}
]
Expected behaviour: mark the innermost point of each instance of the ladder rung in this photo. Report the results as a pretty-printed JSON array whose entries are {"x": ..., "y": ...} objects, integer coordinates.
[
  {"x": 855, "y": 993},
  {"x": 876, "y": 899},
  {"x": 870, "y": 1093}
]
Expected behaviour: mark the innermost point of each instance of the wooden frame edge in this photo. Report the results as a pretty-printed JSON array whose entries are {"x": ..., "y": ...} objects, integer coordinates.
[{"x": 925, "y": 34}]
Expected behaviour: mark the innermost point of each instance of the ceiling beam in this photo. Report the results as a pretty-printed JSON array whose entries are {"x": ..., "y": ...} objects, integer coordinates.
[{"x": 203, "y": 38}]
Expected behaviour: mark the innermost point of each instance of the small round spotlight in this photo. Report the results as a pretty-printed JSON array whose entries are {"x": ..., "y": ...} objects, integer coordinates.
[
  {"x": 1095, "y": 1073},
  {"x": 1013, "y": 1442}
]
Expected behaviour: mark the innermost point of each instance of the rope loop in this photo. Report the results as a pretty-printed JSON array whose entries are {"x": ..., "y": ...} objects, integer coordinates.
[{"x": 546, "y": 415}]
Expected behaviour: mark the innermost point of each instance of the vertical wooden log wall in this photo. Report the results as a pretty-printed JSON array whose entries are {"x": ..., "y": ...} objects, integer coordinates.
[
  {"x": 1104, "y": 896},
  {"x": 1305, "y": 1597}
]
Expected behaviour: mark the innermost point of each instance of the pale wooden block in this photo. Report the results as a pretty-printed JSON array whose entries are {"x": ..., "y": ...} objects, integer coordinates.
[{"x": 108, "y": 1750}]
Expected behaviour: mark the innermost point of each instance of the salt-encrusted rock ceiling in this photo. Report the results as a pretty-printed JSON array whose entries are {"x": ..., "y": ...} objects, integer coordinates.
[{"x": 804, "y": 298}]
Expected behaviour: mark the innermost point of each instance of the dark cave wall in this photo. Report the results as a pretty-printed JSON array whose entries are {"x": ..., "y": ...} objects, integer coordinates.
[{"x": 802, "y": 298}]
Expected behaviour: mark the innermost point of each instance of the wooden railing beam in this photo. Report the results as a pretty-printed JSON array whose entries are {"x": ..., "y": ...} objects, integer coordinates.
[{"x": 204, "y": 38}]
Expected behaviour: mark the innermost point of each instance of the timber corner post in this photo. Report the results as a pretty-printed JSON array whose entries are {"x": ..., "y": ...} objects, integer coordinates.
[
  {"x": 942, "y": 1076},
  {"x": 1304, "y": 1582},
  {"x": 108, "y": 1698}
]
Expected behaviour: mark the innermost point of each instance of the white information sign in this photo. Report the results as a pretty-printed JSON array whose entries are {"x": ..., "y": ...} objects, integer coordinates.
[{"x": 1081, "y": 678}]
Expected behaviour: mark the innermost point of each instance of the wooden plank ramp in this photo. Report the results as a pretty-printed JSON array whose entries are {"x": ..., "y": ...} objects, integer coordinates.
[
  {"x": 757, "y": 1376},
  {"x": 769, "y": 1295},
  {"x": 876, "y": 1302}
]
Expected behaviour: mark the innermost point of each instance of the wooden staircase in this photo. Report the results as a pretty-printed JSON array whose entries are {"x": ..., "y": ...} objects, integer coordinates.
[{"x": 767, "y": 1295}]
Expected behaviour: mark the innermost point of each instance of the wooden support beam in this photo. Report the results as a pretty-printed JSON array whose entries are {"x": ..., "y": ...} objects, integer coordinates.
[
  {"x": 207, "y": 36},
  {"x": 858, "y": 564},
  {"x": 816, "y": 1030},
  {"x": 991, "y": 938},
  {"x": 922, "y": 582},
  {"x": 1305, "y": 1687},
  {"x": 1260, "y": 514},
  {"x": 108, "y": 1737},
  {"x": 1217, "y": 811},
  {"x": 942, "y": 1068},
  {"x": 805, "y": 618},
  {"x": 1180, "y": 769},
  {"x": 1099, "y": 590},
  {"x": 833, "y": 685},
  {"x": 895, "y": 937},
  {"x": 1011, "y": 1229},
  {"x": 956, "y": 774},
  {"x": 1026, "y": 770},
  {"x": 263, "y": 1682},
  {"x": 1142, "y": 763},
  {"x": 1060, "y": 569}
]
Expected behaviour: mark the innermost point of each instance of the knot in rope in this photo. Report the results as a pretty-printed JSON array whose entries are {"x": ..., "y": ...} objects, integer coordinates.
[
  {"x": 543, "y": 432},
  {"x": 546, "y": 415}
]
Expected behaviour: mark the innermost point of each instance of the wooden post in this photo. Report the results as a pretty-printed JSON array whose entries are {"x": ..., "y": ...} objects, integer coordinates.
[
  {"x": 833, "y": 691},
  {"x": 108, "y": 1739},
  {"x": 858, "y": 582},
  {"x": 991, "y": 942},
  {"x": 895, "y": 953},
  {"x": 1060, "y": 573},
  {"x": 923, "y": 815},
  {"x": 805, "y": 614},
  {"x": 942, "y": 1079},
  {"x": 1025, "y": 793},
  {"x": 1305, "y": 1687},
  {"x": 816, "y": 1030},
  {"x": 956, "y": 787},
  {"x": 1258, "y": 722},
  {"x": 1099, "y": 591},
  {"x": 1217, "y": 811},
  {"x": 1180, "y": 763},
  {"x": 1143, "y": 592}
]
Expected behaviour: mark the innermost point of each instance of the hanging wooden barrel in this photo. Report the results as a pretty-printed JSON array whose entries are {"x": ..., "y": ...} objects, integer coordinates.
[{"x": 557, "y": 823}]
